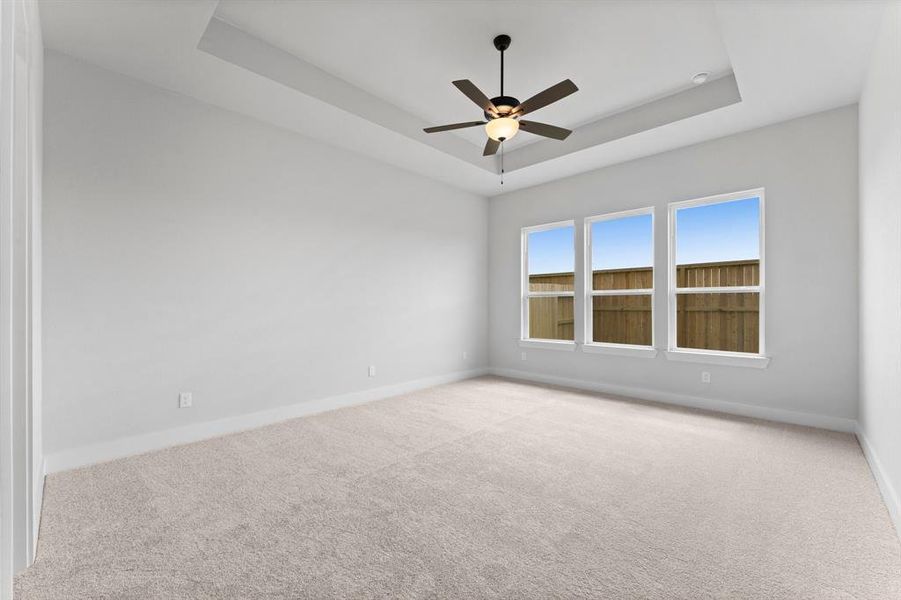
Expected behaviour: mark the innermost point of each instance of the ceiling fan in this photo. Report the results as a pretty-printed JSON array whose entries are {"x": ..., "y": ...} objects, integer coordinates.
[{"x": 504, "y": 113}]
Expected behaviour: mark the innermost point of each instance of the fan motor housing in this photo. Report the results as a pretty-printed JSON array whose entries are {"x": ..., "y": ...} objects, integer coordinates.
[{"x": 500, "y": 101}]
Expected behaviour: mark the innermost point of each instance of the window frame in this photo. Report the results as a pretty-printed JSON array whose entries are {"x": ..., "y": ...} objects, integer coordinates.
[
  {"x": 525, "y": 293},
  {"x": 674, "y": 352},
  {"x": 588, "y": 344}
]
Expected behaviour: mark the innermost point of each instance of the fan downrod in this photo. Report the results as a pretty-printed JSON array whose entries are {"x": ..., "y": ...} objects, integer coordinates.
[{"x": 502, "y": 42}]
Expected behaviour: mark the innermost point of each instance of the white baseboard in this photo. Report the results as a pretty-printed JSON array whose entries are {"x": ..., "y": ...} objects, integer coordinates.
[
  {"x": 38, "y": 511},
  {"x": 733, "y": 408},
  {"x": 129, "y": 446},
  {"x": 889, "y": 494}
]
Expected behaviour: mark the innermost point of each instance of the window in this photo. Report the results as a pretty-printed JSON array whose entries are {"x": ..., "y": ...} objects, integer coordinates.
[
  {"x": 548, "y": 283},
  {"x": 716, "y": 287},
  {"x": 620, "y": 283}
]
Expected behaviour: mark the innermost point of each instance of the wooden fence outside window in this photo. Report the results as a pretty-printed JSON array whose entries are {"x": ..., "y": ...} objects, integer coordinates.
[{"x": 708, "y": 321}]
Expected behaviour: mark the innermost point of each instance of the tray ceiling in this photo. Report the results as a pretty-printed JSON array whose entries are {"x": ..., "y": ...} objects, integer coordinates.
[{"x": 368, "y": 75}]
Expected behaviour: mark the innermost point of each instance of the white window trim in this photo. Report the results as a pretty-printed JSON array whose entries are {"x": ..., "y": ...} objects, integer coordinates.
[
  {"x": 738, "y": 359},
  {"x": 714, "y": 357},
  {"x": 592, "y": 347},
  {"x": 620, "y": 349},
  {"x": 564, "y": 345},
  {"x": 525, "y": 294}
]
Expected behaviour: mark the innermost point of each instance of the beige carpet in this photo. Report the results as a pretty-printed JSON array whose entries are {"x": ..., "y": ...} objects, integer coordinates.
[{"x": 481, "y": 489}]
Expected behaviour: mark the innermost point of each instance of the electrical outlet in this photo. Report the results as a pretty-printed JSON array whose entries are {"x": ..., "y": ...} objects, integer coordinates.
[
  {"x": 185, "y": 400},
  {"x": 705, "y": 377},
  {"x": 372, "y": 370},
  {"x": 465, "y": 355},
  {"x": 523, "y": 355}
]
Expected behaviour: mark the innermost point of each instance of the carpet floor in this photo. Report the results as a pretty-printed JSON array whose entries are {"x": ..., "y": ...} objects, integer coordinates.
[{"x": 486, "y": 488}]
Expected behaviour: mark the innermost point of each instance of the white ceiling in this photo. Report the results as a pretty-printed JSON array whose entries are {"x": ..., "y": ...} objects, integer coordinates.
[{"x": 386, "y": 69}]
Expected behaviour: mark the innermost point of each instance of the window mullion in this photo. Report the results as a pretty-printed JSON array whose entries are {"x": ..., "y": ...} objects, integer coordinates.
[
  {"x": 551, "y": 294},
  {"x": 624, "y": 292},
  {"x": 736, "y": 289}
]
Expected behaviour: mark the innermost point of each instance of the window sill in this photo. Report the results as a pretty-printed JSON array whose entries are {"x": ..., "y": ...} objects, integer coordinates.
[
  {"x": 564, "y": 345},
  {"x": 620, "y": 350},
  {"x": 731, "y": 359}
]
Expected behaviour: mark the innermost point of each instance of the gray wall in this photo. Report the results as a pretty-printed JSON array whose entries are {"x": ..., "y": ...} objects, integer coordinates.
[
  {"x": 880, "y": 254},
  {"x": 809, "y": 169},
  {"x": 188, "y": 248}
]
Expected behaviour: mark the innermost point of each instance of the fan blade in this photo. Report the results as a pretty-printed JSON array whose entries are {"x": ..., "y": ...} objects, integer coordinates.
[
  {"x": 548, "y": 96},
  {"x": 491, "y": 147},
  {"x": 453, "y": 126},
  {"x": 476, "y": 95},
  {"x": 558, "y": 133}
]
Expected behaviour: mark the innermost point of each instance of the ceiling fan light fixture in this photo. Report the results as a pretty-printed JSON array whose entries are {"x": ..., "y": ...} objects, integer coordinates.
[
  {"x": 502, "y": 113},
  {"x": 502, "y": 128}
]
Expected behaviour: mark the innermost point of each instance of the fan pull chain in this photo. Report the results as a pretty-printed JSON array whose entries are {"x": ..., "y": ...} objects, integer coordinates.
[{"x": 502, "y": 163}]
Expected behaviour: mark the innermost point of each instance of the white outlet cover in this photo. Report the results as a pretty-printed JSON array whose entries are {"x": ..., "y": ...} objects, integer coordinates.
[
  {"x": 705, "y": 377},
  {"x": 372, "y": 370},
  {"x": 185, "y": 400}
]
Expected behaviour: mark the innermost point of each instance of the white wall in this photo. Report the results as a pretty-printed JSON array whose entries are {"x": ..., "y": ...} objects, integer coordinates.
[
  {"x": 21, "y": 475},
  {"x": 188, "y": 248},
  {"x": 809, "y": 169},
  {"x": 880, "y": 260}
]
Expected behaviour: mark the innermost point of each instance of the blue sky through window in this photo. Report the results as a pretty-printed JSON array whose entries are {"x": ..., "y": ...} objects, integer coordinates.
[
  {"x": 551, "y": 251},
  {"x": 622, "y": 243},
  {"x": 709, "y": 233},
  {"x": 718, "y": 232}
]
